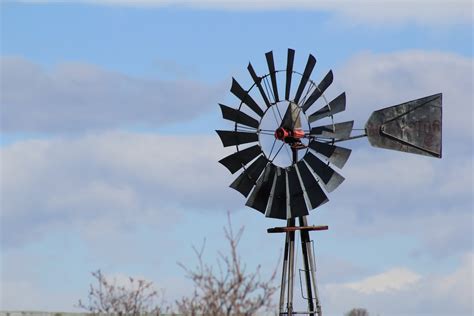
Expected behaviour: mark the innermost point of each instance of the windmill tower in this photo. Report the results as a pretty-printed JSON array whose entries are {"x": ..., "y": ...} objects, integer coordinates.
[{"x": 286, "y": 146}]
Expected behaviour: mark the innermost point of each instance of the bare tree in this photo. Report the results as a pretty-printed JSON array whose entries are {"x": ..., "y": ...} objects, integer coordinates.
[
  {"x": 135, "y": 298},
  {"x": 231, "y": 290},
  {"x": 358, "y": 312}
]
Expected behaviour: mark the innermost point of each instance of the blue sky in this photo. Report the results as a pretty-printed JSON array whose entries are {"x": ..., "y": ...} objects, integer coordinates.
[{"x": 109, "y": 156}]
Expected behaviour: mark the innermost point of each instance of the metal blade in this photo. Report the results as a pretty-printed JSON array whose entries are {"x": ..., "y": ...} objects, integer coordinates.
[
  {"x": 259, "y": 198},
  {"x": 258, "y": 82},
  {"x": 247, "y": 179},
  {"x": 239, "y": 159},
  {"x": 237, "y": 116},
  {"x": 271, "y": 68},
  {"x": 289, "y": 72},
  {"x": 291, "y": 119},
  {"x": 335, "y": 106},
  {"x": 322, "y": 86},
  {"x": 230, "y": 138},
  {"x": 338, "y": 131},
  {"x": 413, "y": 127},
  {"x": 297, "y": 203},
  {"x": 328, "y": 176},
  {"x": 276, "y": 207},
  {"x": 313, "y": 190},
  {"x": 304, "y": 79},
  {"x": 336, "y": 155},
  {"x": 243, "y": 95}
]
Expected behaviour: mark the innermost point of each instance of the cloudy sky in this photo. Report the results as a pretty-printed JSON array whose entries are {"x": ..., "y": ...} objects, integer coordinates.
[{"x": 109, "y": 156}]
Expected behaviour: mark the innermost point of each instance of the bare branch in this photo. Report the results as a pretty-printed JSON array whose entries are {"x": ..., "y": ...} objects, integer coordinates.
[
  {"x": 135, "y": 298},
  {"x": 231, "y": 291}
]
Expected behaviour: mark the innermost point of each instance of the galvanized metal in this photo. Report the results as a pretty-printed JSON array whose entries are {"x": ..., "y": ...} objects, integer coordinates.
[
  {"x": 239, "y": 159},
  {"x": 305, "y": 78},
  {"x": 232, "y": 138},
  {"x": 244, "y": 96},
  {"x": 297, "y": 202},
  {"x": 316, "y": 196},
  {"x": 248, "y": 178},
  {"x": 336, "y": 131},
  {"x": 272, "y": 73},
  {"x": 258, "y": 82},
  {"x": 318, "y": 91},
  {"x": 412, "y": 127},
  {"x": 287, "y": 283},
  {"x": 295, "y": 228},
  {"x": 335, "y": 154},
  {"x": 237, "y": 116},
  {"x": 335, "y": 106},
  {"x": 329, "y": 177},
  {"x": 277, "y": 207},
  {"x": 289, "y": 72},
  {"x": 260, "y": 195},
  {"x": 292, "y": 120},
  {"x": 291, "y": 192}
]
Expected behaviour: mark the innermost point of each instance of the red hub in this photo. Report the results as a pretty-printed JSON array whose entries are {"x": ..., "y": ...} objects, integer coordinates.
[{"x": 289, "y": 136}]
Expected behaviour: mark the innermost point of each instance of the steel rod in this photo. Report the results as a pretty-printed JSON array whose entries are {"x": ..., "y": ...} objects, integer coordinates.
[
  {"x": 283, "y": 273},
  {"x": 348, "y": 138},
  {"x": 291, "y": 269},
  {"x": 305, "y": 241}
]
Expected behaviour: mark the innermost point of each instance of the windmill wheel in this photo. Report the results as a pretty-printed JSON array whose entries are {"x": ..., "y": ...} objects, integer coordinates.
[{"x": 288, "y": 165}]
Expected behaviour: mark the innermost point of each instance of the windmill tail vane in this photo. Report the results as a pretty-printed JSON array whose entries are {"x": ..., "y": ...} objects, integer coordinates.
[{"x": 285, "y": 139}]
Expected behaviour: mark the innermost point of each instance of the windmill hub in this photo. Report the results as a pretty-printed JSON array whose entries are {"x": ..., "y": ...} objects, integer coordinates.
[{"x": 289, "y": 136}]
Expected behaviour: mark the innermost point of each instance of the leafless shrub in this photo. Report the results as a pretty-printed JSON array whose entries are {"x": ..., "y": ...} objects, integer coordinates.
[
  {"x": 231, "y": 290},
  {"x": 358, "y": 312},
  {"x": 135, "y": 298}
]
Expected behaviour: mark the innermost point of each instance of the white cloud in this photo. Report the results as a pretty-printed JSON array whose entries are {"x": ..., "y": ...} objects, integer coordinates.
[
  {"x": 388, "y": 193},
  {"x": 116, "y": 176},
  {"x": 78, "y": 97},
  {"x": 373, "y": 81},
  {"x": 401, "y": 291},
  {"x": 391, "y": 280},
  {"x": 365, "y": 11}
]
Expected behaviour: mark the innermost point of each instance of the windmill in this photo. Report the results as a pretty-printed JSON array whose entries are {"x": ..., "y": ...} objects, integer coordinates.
[{"x": 287, "y": 145}]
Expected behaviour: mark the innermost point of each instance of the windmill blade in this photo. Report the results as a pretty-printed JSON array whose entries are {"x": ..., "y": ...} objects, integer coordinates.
[
  {"x": 260, "y": 195},
  {"x": 271, "y": 69},
  {"x": 304, "y": 79},
  {"x": 277, "y": 207},
  {"x": 414, "y": 127},
  {"x": 289, "y": 72},
  {"x": 243, "y": 95},
  {"x": 240, "y": 158},
  {"x": 230, "y": 138},
  {"x": 238, "y": 116},
  {"x": 291, "y": 119},
  {"x": 248, "y": 178},
  {"x": 318, "y": 92},
  {"x": 316, "y": 195},
  {"x": 335, "y": 155},
  {"x": 297, "y": 203},
  {"x": 337, "y": 131},
  {"x": 328, "y": 176},
  {"x": 258, "y": 83},
  {"x": 335, "y": 106}
]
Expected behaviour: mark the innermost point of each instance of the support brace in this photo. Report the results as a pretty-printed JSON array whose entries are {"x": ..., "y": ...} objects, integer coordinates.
[{"x": 287, "y": 280}]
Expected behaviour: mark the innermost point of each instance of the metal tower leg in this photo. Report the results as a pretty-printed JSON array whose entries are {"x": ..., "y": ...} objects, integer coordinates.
[
  {"x": 283, "y": 273},
  {"x": 287, "y": 275},
  {"x": 287, "y": 278},
  {"x": 291, "y": 270},
  {"x": 310, "y": 269}
]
